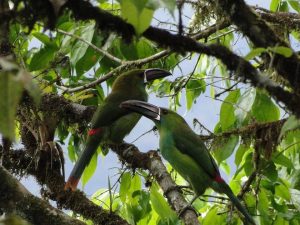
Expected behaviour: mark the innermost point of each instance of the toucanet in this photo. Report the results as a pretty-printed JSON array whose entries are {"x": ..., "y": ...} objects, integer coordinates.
[
  {"x": 186, "y": 152},
  {"x": 111, "y": 123}
]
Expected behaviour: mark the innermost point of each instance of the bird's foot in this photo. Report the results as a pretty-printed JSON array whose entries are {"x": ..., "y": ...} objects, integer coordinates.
[
  {"x": 173, "y": 188},
  {"x": 188, "y": 207},
  {"x": 71, "y": 184}
]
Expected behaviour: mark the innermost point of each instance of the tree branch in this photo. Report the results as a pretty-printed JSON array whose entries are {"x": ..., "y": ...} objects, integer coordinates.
[
  {"x": 285, "y": 19},
  {"x": 262, "y": 35},
  {"x": 242, "y": 68},
  {"x": 21, "y": 163},
  {"x": 15, "y": 197}
]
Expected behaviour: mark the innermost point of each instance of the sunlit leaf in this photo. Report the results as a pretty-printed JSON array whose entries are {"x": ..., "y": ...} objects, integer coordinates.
[
  {"x": 226, "y": 148},
  {"x": 285, "y": 51},
  {"x": 294, "y": 4},
  {"x": 79, "y": 49},
  {"x": 124, "y": 185},
  {"x": 263, "y": 109},
  {"x": 281, "y": 159},
  {"x": 254, "y": 52},
  {"x": 274, "y": 5},
  {"x": 42, "y": 58},
  {"x": 282, "y": 191},
  {"x": 244, "y": 105},
  {"x": 10, "y": 94},
  {"x": 137, "y": 14},
  {"x": 160, "y": 204},
  {"x": 193, "y": 89},
  {"x": 168, "y": 4},
  {"x": 212, "y": 217},
  {"x": 227, "y": 117},
  {"x": 292, "y": 123}
]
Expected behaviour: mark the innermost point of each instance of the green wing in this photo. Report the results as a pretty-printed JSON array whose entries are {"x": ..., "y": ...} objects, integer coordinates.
[{"x": 187, "y": 142}]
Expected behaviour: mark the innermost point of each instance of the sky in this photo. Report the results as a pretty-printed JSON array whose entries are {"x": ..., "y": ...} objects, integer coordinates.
[{"x": 206, "y": 111}]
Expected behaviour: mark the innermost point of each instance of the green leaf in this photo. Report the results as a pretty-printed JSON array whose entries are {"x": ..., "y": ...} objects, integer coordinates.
[
  {"x": 168, "y": 4},
  {"x": 124, "y": 186},
  {"x": 10, "y": 93},
  {"x": 295, "y": 179},
  {"x": 283, "y": 191},
  {"x": 89, "y": 170},
  {"x": 44, "y": 39},
  {"x": 240, "y": 153},
  {"x": 193, "y": 89},
  {"x": 294, "y": 4},
  {"x": 129, "y": 51},
  {"x": 91, "y": 56},
  {"x": 292, "y": 123},
  {"x": 254, "y": 52},
  {"x": 79, "y": 49},
  {"x": 135, "y": 185},
  {"x": 226, "y": 149},
  {"x": 271, "y": 172},
  {"x": 248, "y": 165},
  {"x": 244, "y": 105},
  {"x": 274, "y": 5},
  {"x": 227, "y": 117},
  {"x": 263, "y": 109},
  {"x": 285, "y": 51},
  {"x": 42, "y": 58},
  {"x": 145, "y": 48},
  {"x": 160, "y": 204},
  {"x": 137, "y": 14},
  {"x": 281, "y": 159},
  {"x": 212, "y": 217},
  {"x": 163, "y": 88},
  {"x": 262, "y": 206}
]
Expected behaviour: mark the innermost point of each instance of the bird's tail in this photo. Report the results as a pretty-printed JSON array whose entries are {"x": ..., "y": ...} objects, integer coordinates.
[
  {"x": 236, "y": 202},
  {"x": 83, "y": 161}
]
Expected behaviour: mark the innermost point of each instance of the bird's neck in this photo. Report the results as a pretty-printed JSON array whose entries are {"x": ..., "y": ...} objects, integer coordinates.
[{"x": 166, "y": 141}]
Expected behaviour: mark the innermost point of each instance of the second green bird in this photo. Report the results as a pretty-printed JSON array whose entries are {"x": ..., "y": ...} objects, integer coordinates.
[
  {"x": 185, "y": 151},
  {"x": 110, "y": 122}
]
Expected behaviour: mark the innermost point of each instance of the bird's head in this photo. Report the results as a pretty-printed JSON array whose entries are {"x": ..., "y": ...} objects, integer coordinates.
[
  {"x": 154, "y": 73},
  {"x": 141, "y": 76},
  {"x": 157, "y": 114}
]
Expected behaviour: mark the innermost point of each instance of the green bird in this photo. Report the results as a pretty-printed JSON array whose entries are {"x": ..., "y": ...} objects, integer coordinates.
[
  {"x": 110, "y": 123},
  {"x": 185, "y": 151}
]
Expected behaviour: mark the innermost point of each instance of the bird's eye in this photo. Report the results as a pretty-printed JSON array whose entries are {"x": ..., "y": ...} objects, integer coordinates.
[{"x": 164, "y": 111}]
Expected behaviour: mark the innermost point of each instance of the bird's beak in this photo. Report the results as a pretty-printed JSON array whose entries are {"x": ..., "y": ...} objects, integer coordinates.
[
  {"x": 152, "y": 74},
  {"x": 150, "y": 111}
]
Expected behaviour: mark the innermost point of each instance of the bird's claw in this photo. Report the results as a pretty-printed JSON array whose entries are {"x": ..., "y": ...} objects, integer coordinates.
[{"x": 188, "y": 207}]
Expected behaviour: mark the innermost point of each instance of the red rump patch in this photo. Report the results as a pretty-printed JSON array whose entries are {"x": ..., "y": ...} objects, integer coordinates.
[
  {"x": 92, "y": 132},
  {"x": 219, "y": 179}
]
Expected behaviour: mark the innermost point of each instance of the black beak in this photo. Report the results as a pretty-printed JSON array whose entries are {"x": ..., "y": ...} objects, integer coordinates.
[
  {"x": 152, "y": 74},
  {"x": 146, "y": 109}
]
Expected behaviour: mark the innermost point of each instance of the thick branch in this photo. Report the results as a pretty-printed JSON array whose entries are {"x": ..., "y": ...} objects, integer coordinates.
[
  {"x": 84, "y": 10},
  {"x": 14, "y": 197},
  {"x": 283, "y": 19},
  {"x": 22, "y": 163},
  {"x": 262, "y": 35}
]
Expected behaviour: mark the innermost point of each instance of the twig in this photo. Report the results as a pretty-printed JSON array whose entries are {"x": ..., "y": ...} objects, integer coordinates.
[
  {"x": 120, "y": 69},
  {"x": 107, "y": 54},
  {"x": 226, "y": 90}
]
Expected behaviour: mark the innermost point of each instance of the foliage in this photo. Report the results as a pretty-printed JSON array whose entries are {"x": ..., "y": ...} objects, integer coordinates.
[{"x": 59, "y": 61}]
